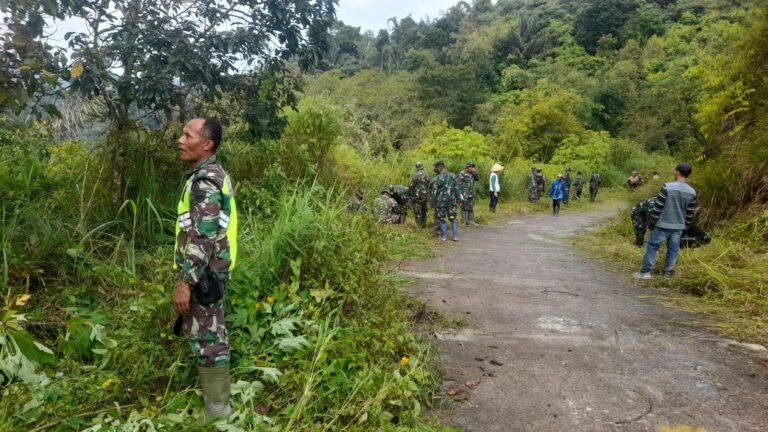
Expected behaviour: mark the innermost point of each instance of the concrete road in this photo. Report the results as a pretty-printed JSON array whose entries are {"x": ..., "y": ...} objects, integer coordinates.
[{"x": 558, "y": 342}]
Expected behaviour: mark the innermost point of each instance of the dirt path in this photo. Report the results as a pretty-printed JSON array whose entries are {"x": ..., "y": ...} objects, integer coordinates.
[{"x": 560, "y": 343}]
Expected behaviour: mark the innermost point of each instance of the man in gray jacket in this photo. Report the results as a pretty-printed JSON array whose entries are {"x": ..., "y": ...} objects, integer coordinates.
[{"x": 670, "y": 216}]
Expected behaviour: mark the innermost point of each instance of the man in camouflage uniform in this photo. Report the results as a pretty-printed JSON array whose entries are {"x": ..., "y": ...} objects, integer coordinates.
[
  {"x": 384, "y": 208},
  {"x": 567, "y": 180},
  {"x": 355, "y": 203},
  {"x": 205, "y": 254},
  {"x": 594, "y": 185},
  {"x": 531, "y": 182},
  {"x": 419, "y": 195},
  {"x": 640, "y": 216},
  {"x": 634, "y": 181},
  {"x": 466, "y": 186},
  {"x": 578, "y": 186},
  {"x": 541, "y": 184},
  {"x": 445, "y": 196},
  {"x": 402, "y": 198}
]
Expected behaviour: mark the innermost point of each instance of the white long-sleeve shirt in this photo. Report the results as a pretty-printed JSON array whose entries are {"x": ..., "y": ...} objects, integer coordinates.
[{"x": 493, "y": 183}]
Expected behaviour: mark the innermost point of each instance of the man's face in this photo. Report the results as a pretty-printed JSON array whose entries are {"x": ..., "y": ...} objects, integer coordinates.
[
  {"x": 471, "y": 170},
  {"x": 194, "y": 145},
  {"x": 438, "y": 169}
]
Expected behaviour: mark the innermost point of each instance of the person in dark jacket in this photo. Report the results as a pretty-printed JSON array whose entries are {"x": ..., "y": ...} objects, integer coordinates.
[{"x": 671, "y": 215}]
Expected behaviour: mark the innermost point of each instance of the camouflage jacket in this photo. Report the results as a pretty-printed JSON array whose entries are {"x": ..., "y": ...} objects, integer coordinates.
[
  {"x": 444, "y": 191},
  {"x": 400, "y": 194},
  {"x": 202, "y": 242},
  {"x": 579, "y": 182},
  {"x": 531, "y": 181},
  {"x": 567, "y": 180},
  {"x": 541, "y": 181},
  {"x": 641, "y": 213},
  {"x": 355, "y": 204},
  {"x": 465, "y": 182},
  {"x": 594, "y": 180},
  {"x": 420, "y": 187},
  {"x": 384, "y": 209}
]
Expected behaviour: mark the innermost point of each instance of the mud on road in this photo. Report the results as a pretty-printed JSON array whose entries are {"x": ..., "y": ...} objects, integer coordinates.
[{"x": 558, "y": 342}]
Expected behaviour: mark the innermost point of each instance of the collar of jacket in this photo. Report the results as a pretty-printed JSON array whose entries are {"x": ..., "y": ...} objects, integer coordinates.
[{"x": 210, "y": 160}]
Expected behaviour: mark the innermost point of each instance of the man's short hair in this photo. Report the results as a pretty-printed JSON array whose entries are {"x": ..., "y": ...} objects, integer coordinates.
[
  {"x": 212, "y": 130},
  {"x": 684, "y": 169}
]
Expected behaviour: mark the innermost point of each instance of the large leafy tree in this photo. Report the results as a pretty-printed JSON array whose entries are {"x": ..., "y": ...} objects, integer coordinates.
[
  {"x": 161, "y": 58},
  {"x": 602, "y": 19}
]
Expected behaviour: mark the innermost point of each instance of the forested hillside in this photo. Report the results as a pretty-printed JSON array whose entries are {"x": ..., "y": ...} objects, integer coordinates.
[
  {"x": 313, "y": 108},
  {"x": 603, "y": 82}
]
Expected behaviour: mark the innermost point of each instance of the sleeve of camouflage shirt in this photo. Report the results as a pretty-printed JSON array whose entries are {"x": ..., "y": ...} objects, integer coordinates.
[
  {"x": 658, "y": 207},
  {"x": 689, "y": 211},
  {"x": 205, "y": 205}
]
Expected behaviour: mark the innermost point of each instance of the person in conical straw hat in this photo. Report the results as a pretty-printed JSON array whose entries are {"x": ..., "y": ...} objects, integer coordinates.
[{"x": 494, "y": 186}]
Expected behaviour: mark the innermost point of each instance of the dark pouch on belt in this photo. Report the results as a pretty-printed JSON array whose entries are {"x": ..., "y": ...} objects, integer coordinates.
[{"x": 210, "y": 289}]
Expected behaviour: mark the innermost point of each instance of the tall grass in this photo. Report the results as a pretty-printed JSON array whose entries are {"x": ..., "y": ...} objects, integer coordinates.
[{"x": 725, "y": 280}]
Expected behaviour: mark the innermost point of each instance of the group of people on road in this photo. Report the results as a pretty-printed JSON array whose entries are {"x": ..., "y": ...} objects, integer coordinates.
[
  {"x": 561, "y": 188},
  {"x": 447, "y": 194},
  {"x": 206, "y": 236}
]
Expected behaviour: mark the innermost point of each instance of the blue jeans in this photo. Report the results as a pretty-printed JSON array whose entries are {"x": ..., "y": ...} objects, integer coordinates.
[{"x": 659, "y": 236}]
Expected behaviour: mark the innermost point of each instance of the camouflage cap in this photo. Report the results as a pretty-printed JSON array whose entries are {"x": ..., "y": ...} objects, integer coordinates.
[
  {"x": 419, "y": 165},
  {"x": 360, "y": 193},
  {"x": 470, "y": 163}
]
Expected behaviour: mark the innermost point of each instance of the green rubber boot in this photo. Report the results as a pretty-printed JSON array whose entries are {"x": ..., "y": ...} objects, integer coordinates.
[{"x": 215, "y": 384}]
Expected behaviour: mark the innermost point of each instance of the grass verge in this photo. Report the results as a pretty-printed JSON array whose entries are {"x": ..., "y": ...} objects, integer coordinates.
[{"x": 725, "y": 280}]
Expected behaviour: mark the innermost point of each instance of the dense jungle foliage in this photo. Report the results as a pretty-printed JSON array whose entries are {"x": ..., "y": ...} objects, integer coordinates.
[{"x": 321, "y": 335}]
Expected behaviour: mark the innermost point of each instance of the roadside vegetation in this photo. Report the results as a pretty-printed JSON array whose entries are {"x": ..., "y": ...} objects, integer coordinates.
[{"x": 322, "y": 337}]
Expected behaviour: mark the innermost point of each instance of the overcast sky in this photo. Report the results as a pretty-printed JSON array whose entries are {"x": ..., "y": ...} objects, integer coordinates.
[
  {"x": 366, "y": 14},
  {"x": 373, "y": 14}
]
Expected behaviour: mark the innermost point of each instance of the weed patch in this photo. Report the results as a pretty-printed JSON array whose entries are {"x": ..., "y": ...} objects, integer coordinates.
[{"x": 725, "y": 280}]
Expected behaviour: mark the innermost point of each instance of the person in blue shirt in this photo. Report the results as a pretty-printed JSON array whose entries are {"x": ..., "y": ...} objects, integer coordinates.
[{"x": 557, "y": 193}]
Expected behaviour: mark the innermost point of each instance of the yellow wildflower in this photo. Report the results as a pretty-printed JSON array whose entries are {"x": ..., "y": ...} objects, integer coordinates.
[
  {"x": 404, "y": 361},
  {"x": 257, "y": 306},
  {"x": 270, "y": 299},
  {"x": 22, "y": 299},
  {"x": 77, "y": 70},
  {"x": 107, "y": 384}
]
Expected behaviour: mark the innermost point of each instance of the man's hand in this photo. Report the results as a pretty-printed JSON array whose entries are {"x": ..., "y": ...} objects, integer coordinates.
[{"x": 181, "y": 297}]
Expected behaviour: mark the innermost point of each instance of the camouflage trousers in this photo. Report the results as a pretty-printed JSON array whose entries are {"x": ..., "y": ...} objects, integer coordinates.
[
  {"x": 443, "y": 212},
  {"x": 532, "y": 195},
  {"x": 468, "y": 204},
  {"x": 207, "y": 334},
  {"x": 420, "y": 212},
  {"x": 639, "y": 224}
]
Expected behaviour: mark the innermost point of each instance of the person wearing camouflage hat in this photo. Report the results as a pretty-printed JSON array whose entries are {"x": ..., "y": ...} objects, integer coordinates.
[
  {"x": 531, "y": 183},
  {"x": 419, "y": 190},
  {"x": 578, "y": 186},
  {"x": 641, "y": 219},
  {"x": 384, "y": 208},
  {"x": 541, "y": 184},
  {"x": 355, "y": 202},
  {"x": 205, "y": 255},
  {"x": 466, "y": 185},
  {"x": 594, "y": 185},
  {"x": 445, "y": 196},
  {"x": 568, "y": 181}
]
